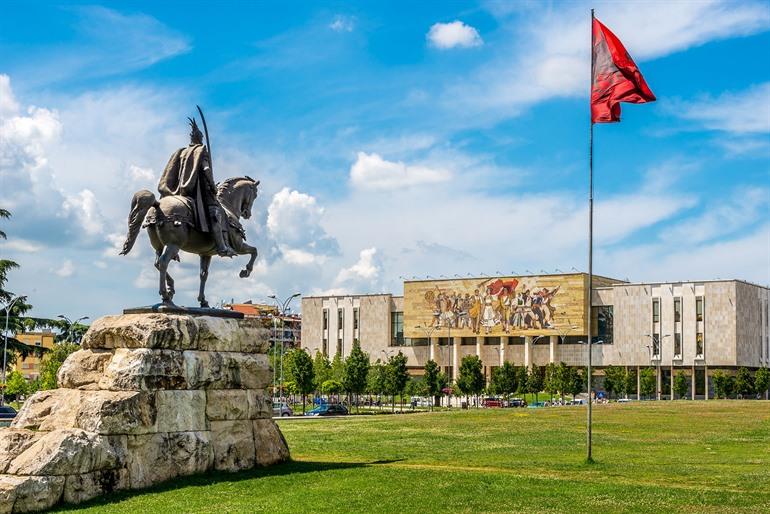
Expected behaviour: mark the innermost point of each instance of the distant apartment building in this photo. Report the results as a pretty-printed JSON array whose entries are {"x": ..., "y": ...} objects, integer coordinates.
[
  {"x": 695, "y": 327},
  {"x": 285, "y": 329},
  {"x": 30, "y": 366}
]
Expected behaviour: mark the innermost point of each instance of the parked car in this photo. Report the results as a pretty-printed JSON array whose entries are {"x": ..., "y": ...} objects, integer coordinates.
[
  {"x": 7, "y": 413},
  {"x": 282, "y": 409},
  {"x": 329, "y": 409},
  {"x": 579, "y": 401},
  {"x": 536, "y": 405},
  {"x": 517, "y": 402},
  {"x": 491, "y": 402}
]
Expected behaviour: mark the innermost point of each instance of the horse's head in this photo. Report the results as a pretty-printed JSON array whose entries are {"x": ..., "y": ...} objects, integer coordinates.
[{"x": 237, "y": 195}]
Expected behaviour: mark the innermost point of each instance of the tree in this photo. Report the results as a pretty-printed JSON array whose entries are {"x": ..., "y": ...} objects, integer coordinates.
[
  {"x": 52, "y": 361},
  {"x": 631, "y": 382},
  {"x": 521, "y": 379},
  {"x": 550, "y": 379},
  {"x": 762, "y": 381},
  {"x": 356, "y": 371},
  {"x": 576, "y": 381},
  {"x": 16, "y": 385},
  {"x": 301, "y": 373},
  {"x": 680, "y": 384},
  {"x": 719, "y": 379},
  {"x": 375, "y": 381},
  {"x": 535, "y": 380},
  {"x": 744, "y": 385},
  {"x": 338, "y": 368},
  {"x": 397, "y": 375},
  {"x": 322, "y": 370},
  {"x": 432, "y": 383},
  {"x": 470, "y": 380},
  {"x": 561, "y": 377},
  {"x": 729, "y": 386},
  {"x": 648, "y": 381},
  {"x": 614, "y": 380},
  {"x": 331, "y": 387}
]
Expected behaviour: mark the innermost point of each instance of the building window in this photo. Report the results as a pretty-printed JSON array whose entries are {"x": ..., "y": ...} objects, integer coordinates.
[
  {"x": 326, "y": 319},
  {"x": 656, "y": 310},
  {"x": 678, "y": 345},
  {"x": 468, "y": 341},
  {"x": 656, "y": 346},
  {"x": 699, "y": 308},
  {"x": 339, "y": 319},
  {"x": 677, "y": 310},
  {"x": 339, "y": 346},
  {"x": 397, "y": 328},
  {"x": 699, "y": 344},
  {"x": 355, "y": 318},
  {"x": 604, "y": 324},
  {"x": 495, "y": 341}
]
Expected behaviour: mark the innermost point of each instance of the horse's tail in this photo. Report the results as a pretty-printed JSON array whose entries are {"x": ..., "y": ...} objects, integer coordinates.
[{"x": 140, "y": 204}]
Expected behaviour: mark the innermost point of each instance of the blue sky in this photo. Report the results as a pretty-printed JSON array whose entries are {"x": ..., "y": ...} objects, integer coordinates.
[{"x": 392, "y": 139}]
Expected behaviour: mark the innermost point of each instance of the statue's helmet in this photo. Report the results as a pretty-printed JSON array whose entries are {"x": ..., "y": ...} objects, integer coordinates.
[{"x": 196, "y": 136}]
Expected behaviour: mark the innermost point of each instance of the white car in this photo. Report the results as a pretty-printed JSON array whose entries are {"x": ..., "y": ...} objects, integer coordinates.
[{"x": 282, "y": 409}]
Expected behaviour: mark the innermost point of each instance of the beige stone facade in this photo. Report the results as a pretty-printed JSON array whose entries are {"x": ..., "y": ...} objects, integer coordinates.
[{"x": 695, "y": 327}]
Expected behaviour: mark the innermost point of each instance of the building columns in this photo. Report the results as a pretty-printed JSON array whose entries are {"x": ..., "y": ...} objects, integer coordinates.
[
  {"x": 693, "y": 381},
  {"x": 527, "y": 351},
  {"x": 552, "y": 342},
  {"x": 705, "y": 382},
  {"x": 433, "y": 348},
  {"x": 503, "y": 345},
  {"x": 638, "y": 383},
  {"x": 658, "y": 380},
  {"x": 457, "y": 341},
  {"x": 671, "y": 383},
  {"x": 479, "y": 342}
]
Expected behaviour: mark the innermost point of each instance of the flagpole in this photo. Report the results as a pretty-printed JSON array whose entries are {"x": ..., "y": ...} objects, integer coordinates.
[{"x": 589, "y": 457}]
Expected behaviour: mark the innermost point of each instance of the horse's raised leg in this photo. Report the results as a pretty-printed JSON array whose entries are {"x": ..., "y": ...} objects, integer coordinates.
[
  {"x": 169, "y": 252},
  {"x": 243, "y": 248},
  {"x": 205, "y": 262}
]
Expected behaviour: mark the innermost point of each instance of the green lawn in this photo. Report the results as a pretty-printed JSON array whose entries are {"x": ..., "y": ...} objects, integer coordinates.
[{"x": 651, "y": 457}]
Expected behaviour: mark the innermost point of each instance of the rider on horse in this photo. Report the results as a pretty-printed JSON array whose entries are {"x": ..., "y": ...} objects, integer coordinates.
[{"x": 188, "y": 173}]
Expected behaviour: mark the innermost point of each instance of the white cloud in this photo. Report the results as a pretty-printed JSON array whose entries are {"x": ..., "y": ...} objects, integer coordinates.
[
  {"x": 551, "y": 58},
  {"x": 362, "y": 276},
  {"x": 343, "y": 23},
  {"x": 8, "y": 105},
  {"x": 67, "y": 269},
  {"x": 372, "y": 172},
  {"x": 22, "y": 245},
  {"x": 105, "y": 42},
  {"x": 454, "y": 34},
  {"x": 141, "y": 175},
  {"x": 744, "y": 112},
  {"x": 294, "y": 224},
  {"x": 722, "y": 217},
  {"x": 85, "y": 209}
]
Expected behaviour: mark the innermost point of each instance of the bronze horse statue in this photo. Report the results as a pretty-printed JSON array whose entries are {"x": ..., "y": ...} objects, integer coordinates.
[{"x": 171, "y": 227}]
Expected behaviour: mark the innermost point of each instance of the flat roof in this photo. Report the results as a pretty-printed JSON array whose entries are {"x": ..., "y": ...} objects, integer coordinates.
[
  {"x": 671, "y": 282},
  {"x": 357, "y": 295},
  {"x": 477, "y": 277}
]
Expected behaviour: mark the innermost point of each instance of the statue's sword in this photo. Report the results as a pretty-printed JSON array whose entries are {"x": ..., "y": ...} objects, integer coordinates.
[{"x": 208, "y": 141}]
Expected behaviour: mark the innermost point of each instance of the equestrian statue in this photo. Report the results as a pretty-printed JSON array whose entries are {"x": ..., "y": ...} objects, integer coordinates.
[{"x": 193, "y": 214}]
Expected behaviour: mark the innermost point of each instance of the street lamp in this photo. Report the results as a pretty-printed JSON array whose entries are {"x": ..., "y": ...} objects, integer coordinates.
[
  {"x": 283, "y": 307},
  {"x": 71, "y": 326},
  {"x": 5, "y": 343},
  {"x": 656, "y": 355}
]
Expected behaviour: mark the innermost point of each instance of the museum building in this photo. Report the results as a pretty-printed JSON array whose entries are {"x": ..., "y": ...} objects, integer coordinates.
[{"x": 697, "y": 327}]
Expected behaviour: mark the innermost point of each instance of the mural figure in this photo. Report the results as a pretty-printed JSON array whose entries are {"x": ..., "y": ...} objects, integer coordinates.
[{"x": 494, "y": 303}]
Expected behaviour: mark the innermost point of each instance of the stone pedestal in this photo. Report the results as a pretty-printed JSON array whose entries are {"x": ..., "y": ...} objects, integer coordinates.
[{"x": 149, "y": 397}]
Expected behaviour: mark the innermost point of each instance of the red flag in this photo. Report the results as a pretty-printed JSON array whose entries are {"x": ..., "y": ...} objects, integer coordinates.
[{"x": 615, "y": 77}]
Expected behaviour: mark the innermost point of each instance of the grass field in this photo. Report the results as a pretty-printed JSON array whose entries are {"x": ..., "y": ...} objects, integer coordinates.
[{"x": 651, "y": 457}]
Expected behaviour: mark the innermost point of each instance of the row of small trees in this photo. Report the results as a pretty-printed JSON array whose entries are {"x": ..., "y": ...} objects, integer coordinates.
[
  {"x": 356, "y": 375},
  {"x": 742, "y": 384}
]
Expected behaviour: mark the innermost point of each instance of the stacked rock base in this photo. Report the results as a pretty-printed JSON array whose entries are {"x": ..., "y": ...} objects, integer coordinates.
[{"x": 149, "y": 397}]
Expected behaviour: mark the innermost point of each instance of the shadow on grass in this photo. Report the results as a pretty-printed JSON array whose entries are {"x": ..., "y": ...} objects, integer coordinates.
[{"x": 217, "y": 477}]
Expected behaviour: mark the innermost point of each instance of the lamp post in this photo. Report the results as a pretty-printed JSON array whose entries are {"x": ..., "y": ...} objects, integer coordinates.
[
  {"x": 283, "y": 307},
  {"x": 5, "y": 343},
  {"x": 657, "y": 358},
  {"x": 71, "y": 326}
]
